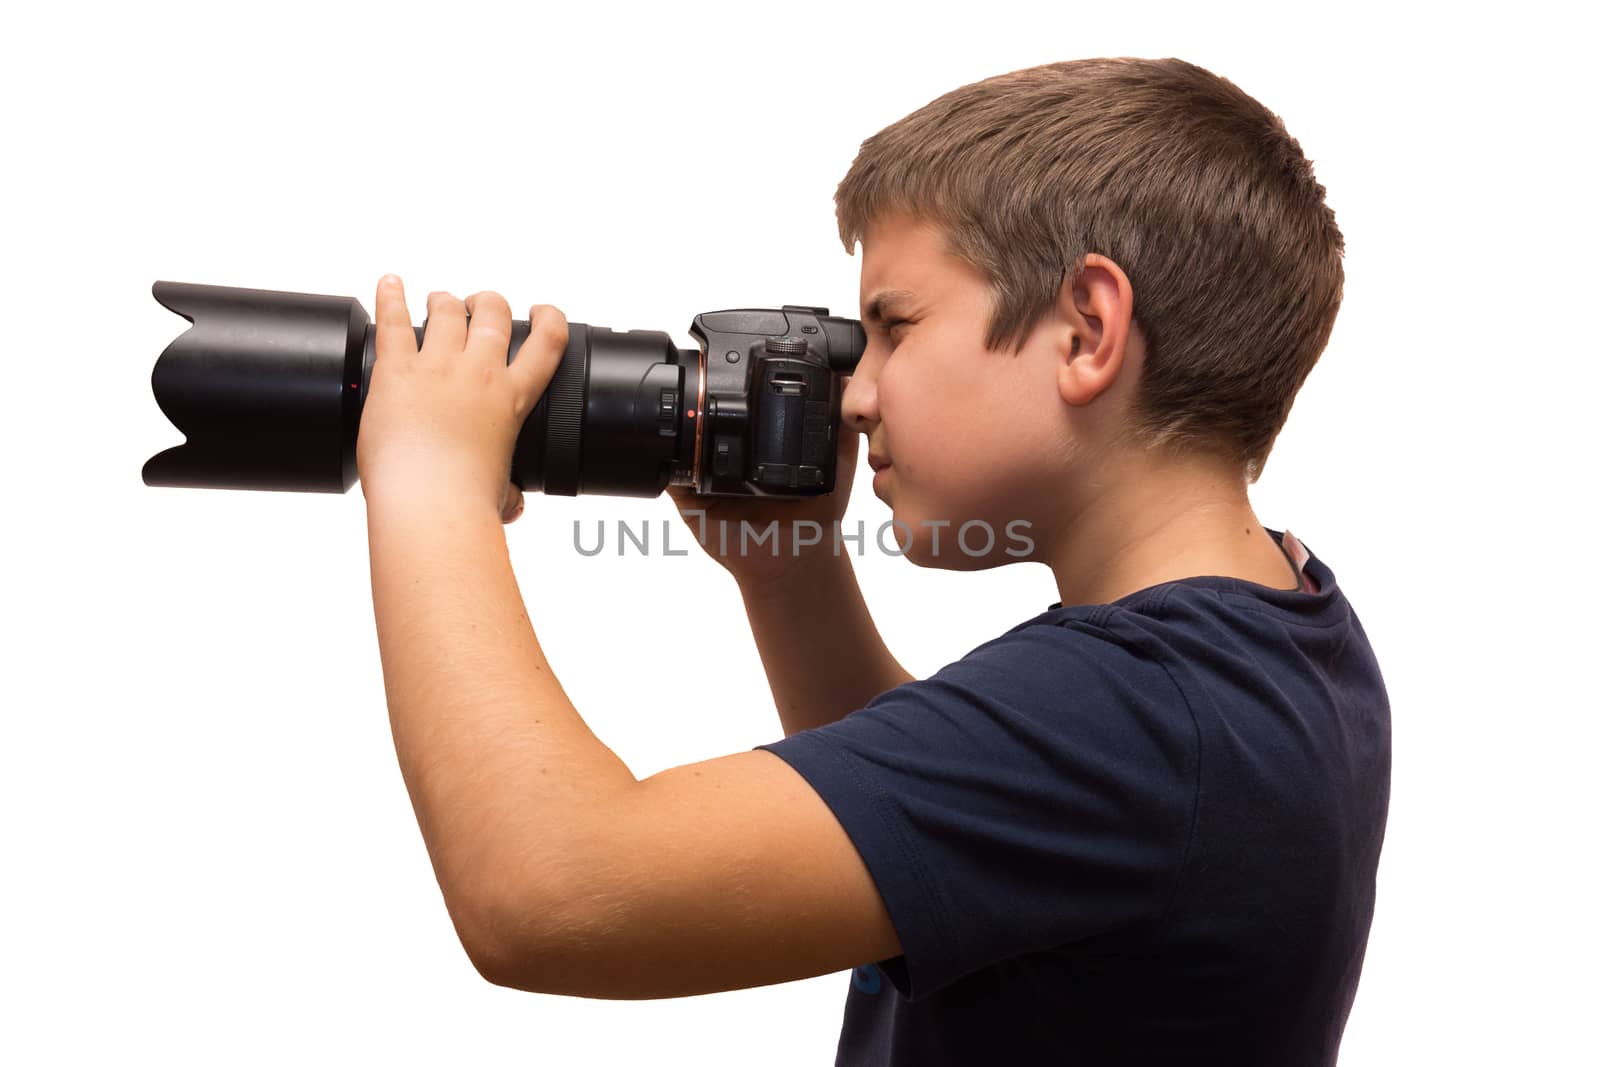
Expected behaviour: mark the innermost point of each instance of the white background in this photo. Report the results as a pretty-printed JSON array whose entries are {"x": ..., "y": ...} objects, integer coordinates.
[{"x": 209, "y": 852}]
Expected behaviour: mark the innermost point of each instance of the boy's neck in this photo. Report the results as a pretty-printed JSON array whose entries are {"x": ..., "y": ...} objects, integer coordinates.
[{"x": 1147, "y": 522}]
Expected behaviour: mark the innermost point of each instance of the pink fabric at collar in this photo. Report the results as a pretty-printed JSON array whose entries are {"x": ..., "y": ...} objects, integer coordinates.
[{"x": 1298, "y": 556}]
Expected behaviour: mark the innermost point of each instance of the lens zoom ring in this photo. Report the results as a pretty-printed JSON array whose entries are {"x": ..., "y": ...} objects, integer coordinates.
[{"x": 568, "y": 394}]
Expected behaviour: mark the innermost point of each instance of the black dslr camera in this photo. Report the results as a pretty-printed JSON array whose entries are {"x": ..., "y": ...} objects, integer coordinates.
[{"x": 268, "y": 387}]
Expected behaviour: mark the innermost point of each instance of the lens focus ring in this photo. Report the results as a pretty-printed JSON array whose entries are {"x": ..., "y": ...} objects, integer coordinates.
[{"x": 567, "y": 394}]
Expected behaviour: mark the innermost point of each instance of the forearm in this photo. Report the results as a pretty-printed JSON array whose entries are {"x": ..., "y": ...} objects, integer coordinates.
[
  {"x": 822, "y": 652},
  {"x": 509, "y": 785}
]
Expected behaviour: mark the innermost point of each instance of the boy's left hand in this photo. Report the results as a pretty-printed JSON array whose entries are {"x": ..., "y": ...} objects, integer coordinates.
[{"x": 443, "y": 421}]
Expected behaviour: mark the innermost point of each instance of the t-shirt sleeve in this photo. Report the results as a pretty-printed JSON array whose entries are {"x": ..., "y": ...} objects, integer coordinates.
[{"x": 1035, "y": 792}]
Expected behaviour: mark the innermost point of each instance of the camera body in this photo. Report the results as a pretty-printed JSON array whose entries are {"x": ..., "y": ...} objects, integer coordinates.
[
  {"x": 771, "y": 407},
  {"x": 268, "y": 388}
]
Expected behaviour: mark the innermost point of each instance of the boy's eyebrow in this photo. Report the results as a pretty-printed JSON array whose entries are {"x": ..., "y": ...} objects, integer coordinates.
[{"x": 886, "y": 299}]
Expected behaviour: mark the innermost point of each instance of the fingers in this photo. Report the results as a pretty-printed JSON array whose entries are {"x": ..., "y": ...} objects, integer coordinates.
[
  {"x": 393, "y": 331},
  {"x": 536, "y": 360},
  {"x": 489, "y": 328},
  {"x": 547, "y": 320},
  {"x": 446, "y": 329},
  {"x": 480, "y": 324}
]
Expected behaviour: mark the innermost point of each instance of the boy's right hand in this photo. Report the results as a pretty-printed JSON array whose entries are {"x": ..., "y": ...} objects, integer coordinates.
[{"x": 758, "y": 565}]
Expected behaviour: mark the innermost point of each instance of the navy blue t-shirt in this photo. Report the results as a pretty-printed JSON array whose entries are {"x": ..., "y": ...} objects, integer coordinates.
[{"x": 1143, "y": 832}]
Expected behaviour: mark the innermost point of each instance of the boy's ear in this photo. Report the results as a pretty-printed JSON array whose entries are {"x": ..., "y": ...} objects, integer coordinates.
[{"x": 1097, "y": 309}]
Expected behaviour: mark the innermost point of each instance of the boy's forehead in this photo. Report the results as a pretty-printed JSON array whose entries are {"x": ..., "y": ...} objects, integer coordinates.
[{"x": 898, "y": 259}]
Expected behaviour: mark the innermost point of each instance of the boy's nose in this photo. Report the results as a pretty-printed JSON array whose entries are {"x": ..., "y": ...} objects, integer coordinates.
[{"x": 858, "y": 408}]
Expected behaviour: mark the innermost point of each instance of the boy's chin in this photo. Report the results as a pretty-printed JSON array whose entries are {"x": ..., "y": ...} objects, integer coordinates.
[
  {"x": 946, "y": 560},
  {"x": 941, "y": 546}
]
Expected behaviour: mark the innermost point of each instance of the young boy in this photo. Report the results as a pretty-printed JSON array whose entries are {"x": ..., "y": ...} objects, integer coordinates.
[{"x": 1143, "y": 825}]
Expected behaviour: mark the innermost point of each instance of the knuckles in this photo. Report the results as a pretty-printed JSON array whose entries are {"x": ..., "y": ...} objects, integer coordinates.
[
  {"x": 545, "y": 319},
  {"x": 549, "y": 320},
  {"x": 490, "y": 300}
]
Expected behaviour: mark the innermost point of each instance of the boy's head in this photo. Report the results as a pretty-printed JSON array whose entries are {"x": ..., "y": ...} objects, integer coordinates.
[{"x": 1143, "y": 240}]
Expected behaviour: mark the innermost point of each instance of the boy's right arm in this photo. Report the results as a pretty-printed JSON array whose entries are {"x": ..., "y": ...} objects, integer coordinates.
[
  {"x": 822, "y": 652},
  {"x": 823, "y": 656}
]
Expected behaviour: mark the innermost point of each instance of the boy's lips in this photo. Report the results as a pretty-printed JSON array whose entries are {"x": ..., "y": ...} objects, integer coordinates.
[{"x": 877, "y": 463}]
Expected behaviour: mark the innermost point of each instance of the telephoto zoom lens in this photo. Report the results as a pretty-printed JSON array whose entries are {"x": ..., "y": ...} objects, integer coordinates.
[{"x": 268, "y": 389}]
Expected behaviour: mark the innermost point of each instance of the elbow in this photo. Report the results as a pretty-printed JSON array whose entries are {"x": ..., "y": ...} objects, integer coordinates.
[
  {"x": 487, "y": 964},
  {"x": 507, "y": 966},
  {"x": 487, "y": 958},
  {"x": 507, "y": 945},
  {"x": 499, "y": 951},
  {"x": 530, "y": 930}
]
